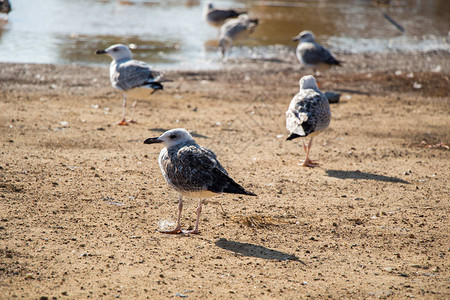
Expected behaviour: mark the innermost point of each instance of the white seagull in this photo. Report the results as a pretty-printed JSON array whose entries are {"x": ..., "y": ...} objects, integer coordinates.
[
  {"x": 193, "y": 171},
  {"x": 127, "y": 74},
  {"x": 308, "y": 115},
  {"x": 217, "y": 17},
  {"x": 312, "y": 54},
  {"x": 235, "y": 29}
]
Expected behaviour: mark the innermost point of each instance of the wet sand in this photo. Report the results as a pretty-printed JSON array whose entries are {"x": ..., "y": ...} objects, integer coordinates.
[{"x": 81, "y": 197}]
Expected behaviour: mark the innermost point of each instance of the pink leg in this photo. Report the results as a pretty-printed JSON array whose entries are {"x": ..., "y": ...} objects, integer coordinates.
[
  {"x": 199, "y": 211},
  {"x": 304, "y": 146},
  {"x": 132, "y": 112},
  {"x": 124, "y": 109},
  {"x": 177, "y": 229},
  {"x": 308, "y": 162}
]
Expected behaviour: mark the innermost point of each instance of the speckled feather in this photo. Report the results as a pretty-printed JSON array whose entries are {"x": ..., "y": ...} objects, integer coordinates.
[
  {"x": 308, "y": 113},
  {"x": 191, "y": 169}
]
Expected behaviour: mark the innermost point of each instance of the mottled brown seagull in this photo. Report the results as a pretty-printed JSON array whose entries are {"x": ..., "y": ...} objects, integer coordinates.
[
  {"x": 193, "y": 171},
  {"x": 308, "y": 115}
]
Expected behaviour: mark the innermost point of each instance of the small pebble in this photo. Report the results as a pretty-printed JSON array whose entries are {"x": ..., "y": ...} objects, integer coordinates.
[{"x": 417, "y": 86}]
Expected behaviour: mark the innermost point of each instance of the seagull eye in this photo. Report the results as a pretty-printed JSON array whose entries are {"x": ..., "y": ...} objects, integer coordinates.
[
  {"x": 115, "y": 49},
  {"x": 172, "y": 136}
]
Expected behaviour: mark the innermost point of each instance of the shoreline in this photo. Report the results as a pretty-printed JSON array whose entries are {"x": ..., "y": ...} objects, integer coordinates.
[
  {"x": 397, "y": 71},
  {"x": 289, "y": 58}
]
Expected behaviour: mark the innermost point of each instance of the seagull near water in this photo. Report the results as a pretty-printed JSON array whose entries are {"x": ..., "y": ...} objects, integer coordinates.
[
  {"x": 127, "y": 74},
  {"x": 312, "y": 54},
  {"x": 235, "y": 29},
  {"x": 308, "y": 115},
  {"x": 217, "y": 17},
  {"x": 193, "y": 171}
]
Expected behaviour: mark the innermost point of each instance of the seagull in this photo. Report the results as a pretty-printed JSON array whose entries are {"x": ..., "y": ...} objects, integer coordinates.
[
  {"x": 235, "y": 29},
  {"x": 5, "y": 6},
  {"x": 308, "y": 115},
  {"x": 193, "y": 171},
  {"x": 127, "y": 74},
  {"x": 217, "y": 17},
  {"x": 312, "y": 54}
]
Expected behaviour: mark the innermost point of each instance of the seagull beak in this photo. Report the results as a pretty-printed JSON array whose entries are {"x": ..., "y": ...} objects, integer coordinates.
[
  {"x": 100, "y": 52},
  {"x": 295, "y": 38},
  {"x": 152, "y": 141}
]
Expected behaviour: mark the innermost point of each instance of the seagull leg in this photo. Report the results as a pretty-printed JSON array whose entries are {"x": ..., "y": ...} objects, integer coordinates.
[
  {"x": 304, "y": 146},
  {"x": 124, "y": 105},
  {"x": 199, "y": 211},
  {"x": 132, "y": 112},
  {"x": 308, "y": 162},
  {"x": 177, "y": 229}
]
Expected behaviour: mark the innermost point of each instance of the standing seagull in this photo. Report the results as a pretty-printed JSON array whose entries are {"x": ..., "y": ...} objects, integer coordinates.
[
  {"x": 127, "y": 74},
  {"x": 235, "y": 29},
  {"x": 312, "y": 54},
  {"x": 308, "y": 115},
  {"x": 217, "y": 17},
  {"x": 193, "y": 171}
]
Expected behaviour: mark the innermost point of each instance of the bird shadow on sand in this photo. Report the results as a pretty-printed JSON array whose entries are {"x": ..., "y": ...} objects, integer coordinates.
[
  {"x": 363, "y": 175},
  {"x": 193, "y": 133},
  {"x": 251, "y": 250}
]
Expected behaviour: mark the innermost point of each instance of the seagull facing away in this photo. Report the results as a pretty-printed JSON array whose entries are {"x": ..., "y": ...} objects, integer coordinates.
[
  {"x": 312, "y": 54},
  {"x": 216, "y": 17},
  {"x": 308, "y": 115},
  {"x": 193, "y": 171},
  {"x": 235, "y": 29},
  {"x": 5, "y": 6},
  {"x": 127, "y": 74}
]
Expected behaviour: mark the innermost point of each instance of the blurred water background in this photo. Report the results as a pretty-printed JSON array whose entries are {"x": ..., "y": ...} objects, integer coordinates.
[{"x": 172, "y": 34}]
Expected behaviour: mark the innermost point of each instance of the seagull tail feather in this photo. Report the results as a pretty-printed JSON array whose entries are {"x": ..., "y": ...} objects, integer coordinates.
[
  {"x": 293, "y": 136},
  {"x": 155, "y": 86},
  {"x": 336, "y": 62},
  {"x": 235, "y": 188}
]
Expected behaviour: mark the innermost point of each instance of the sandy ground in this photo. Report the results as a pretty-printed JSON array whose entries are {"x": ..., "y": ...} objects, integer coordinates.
[{"x": 81, "y": 197}]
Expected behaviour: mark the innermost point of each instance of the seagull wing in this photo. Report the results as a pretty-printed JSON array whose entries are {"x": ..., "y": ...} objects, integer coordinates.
[
  {"x": 134, "y": 73},
  {"x": 309, "y": 111},
  {"x": 235, "y": 28},
  {"x": 314, "y": 54},
  {"x": 196, "y": 168},
  {"x": 219, "y": 15}
]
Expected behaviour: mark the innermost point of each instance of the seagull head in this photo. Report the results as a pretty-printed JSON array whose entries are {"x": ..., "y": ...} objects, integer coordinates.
[
  {"x": 171, "y": 137},
  {"x": 308, "y": 82},
  {"x": 116, "y": 52},
  {"x": 304, "y": 36}
]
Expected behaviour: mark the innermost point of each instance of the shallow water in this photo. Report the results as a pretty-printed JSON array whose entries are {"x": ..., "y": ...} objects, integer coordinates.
[{"x": 172, "y": 34}]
